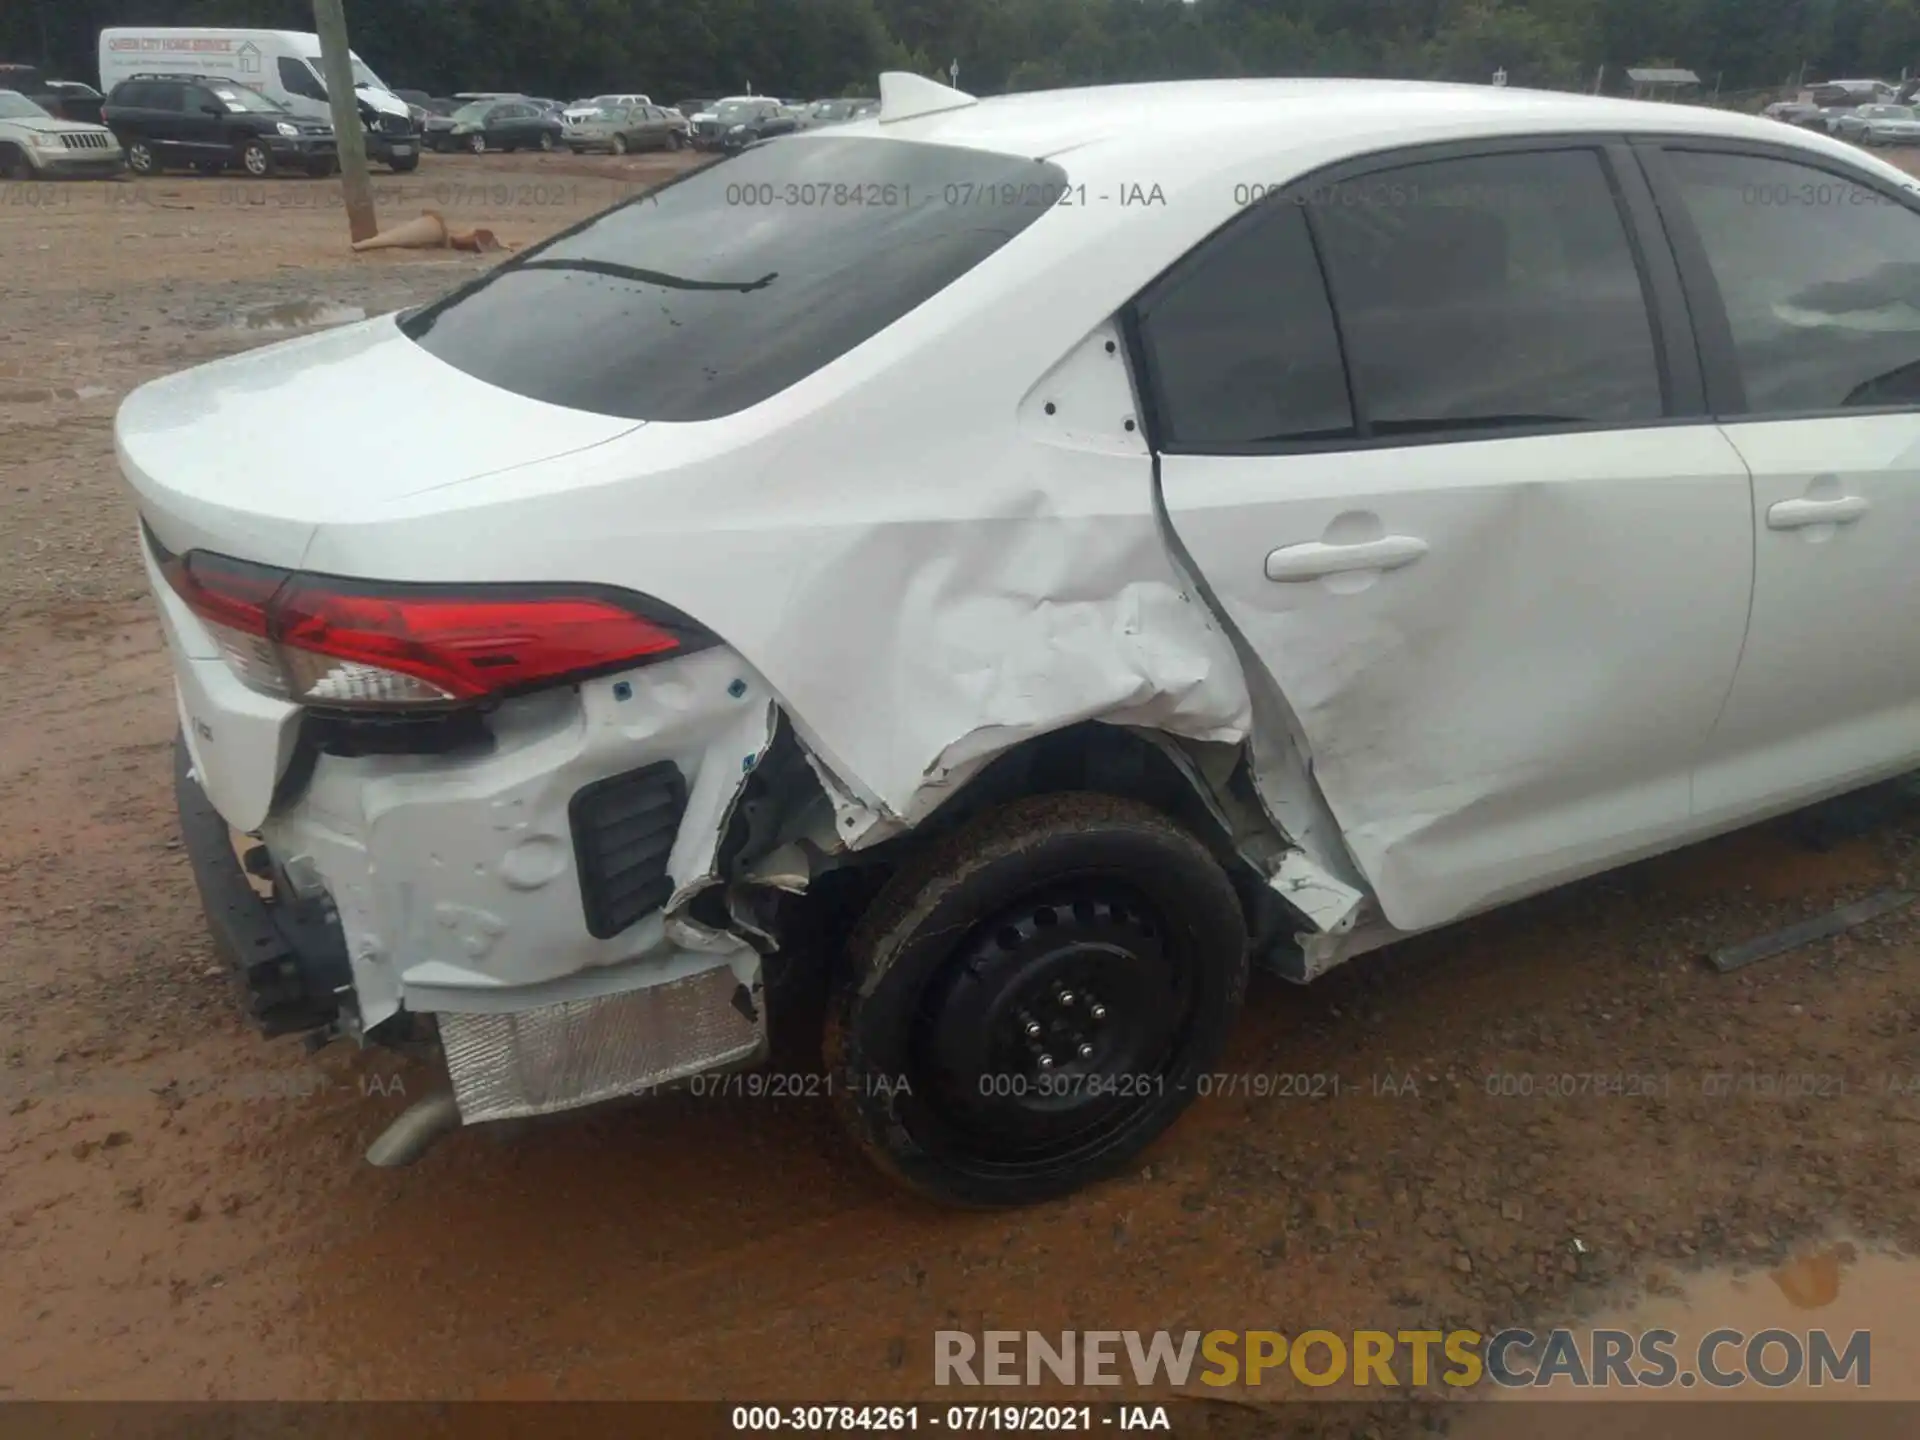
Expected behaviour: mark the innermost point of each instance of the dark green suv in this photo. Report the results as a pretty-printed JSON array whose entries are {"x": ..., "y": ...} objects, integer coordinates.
[{"x": 212, "y": 125}]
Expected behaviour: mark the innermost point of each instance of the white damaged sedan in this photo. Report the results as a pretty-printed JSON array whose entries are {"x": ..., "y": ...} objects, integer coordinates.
[{"x": 1006, "y": 566}]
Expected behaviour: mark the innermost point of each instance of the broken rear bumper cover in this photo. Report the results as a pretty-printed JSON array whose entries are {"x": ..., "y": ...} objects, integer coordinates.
[
  {"x": 527, "y": 893},
  {"x": 289, "y": 963}
]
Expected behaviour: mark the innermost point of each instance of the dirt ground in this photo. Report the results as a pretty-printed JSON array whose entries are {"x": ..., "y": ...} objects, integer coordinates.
[{"x": 184, "y": 1213}]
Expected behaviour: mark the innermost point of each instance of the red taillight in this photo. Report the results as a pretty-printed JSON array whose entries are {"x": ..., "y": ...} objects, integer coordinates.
[{"x": 356, "y": 644}]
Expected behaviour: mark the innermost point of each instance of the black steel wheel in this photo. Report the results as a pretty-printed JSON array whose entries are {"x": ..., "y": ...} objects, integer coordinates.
[{"x": 1030, "y": 1003}]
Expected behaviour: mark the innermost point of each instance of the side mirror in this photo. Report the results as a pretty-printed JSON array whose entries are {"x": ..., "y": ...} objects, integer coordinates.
[{"x": 209, "y": 108}]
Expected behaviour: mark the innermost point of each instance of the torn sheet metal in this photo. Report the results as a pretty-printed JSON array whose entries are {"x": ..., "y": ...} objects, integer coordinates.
[
  {"x": 1324, "y": 899},
  {"x": 1314, "y": 891}
]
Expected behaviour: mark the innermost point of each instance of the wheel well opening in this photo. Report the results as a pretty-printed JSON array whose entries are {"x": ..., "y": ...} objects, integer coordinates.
[{"x": 1090, "y": 757}]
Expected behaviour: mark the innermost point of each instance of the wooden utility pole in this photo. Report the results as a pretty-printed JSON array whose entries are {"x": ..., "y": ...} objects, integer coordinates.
[{"x": 330, "y": 22}]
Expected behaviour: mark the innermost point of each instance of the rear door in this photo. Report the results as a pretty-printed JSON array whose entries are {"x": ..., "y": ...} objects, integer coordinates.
[
  {"x": 515, "y": 123},
  {"x": 1805, "y": 275},
  {"x": 1432, "y": 430}
]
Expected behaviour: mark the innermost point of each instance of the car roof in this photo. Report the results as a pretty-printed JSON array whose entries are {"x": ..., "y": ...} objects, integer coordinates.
[{"x": 1255, "y": 120}]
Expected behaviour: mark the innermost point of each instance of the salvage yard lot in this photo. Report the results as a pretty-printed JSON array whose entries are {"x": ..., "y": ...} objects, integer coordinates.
[{"x": 184, "y": 1213}]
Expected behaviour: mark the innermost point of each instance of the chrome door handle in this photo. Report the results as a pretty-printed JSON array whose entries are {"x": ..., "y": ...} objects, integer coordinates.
[
  {"x": 1316, "y": 559},
  {"x": 1799, "y": 514}
]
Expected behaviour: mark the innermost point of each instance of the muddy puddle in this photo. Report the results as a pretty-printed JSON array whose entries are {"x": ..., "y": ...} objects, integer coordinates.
[
  {"x": 1838, "y": 1322},
  {"x": 296, "y": 315}
]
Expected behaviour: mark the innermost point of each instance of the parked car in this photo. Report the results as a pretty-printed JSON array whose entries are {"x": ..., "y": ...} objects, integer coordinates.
[
  {"x": 585, "y": 109},
  {"x": 703, "y": 125},
  {"x": 692, "y": 108},
  {"x": 75, "y": 100},
  {"x": 837, "y": 112},
  {"x": 621, "y": 128},
  {"x": 1880, "y": 125},
  {"x": 35, "y": 145},
  {"x": 734, "y": 124},
  {"x": 419, "y": 105},
  {"x": 1802, "y": 113},
  {"x": 1848, "y": 93},
  {"x": 283, "y": 65},
  {"x": 1271, "y": 574},
  {"x": 211, "y": 125},
  {"x": 61, "y": 99},
  {"x": 485, "y": 125}
]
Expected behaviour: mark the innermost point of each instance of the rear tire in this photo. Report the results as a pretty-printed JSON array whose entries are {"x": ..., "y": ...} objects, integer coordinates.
[
  {"x": 676, "y": 141},
  {"x": 1088, "y": 930},
  {"x": 619, "y": 144},
  {"x": 404, "y": 166},
  {"x": 141, "y": 159},
  {"x": 478, "y": 144},
  {"x": 546, "y": 143}
]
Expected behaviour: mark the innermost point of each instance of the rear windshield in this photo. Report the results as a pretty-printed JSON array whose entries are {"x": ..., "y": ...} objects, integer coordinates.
[{"x": 737, "y": 280}]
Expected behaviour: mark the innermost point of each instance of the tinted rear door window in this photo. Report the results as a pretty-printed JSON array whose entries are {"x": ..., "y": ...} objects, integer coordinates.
[
  {"x": 1240, "y": 343},
  {"x": 696, "y": 302},
  {"x": 1490, "y": 292},
  {"x": 1820, "y": 276}
]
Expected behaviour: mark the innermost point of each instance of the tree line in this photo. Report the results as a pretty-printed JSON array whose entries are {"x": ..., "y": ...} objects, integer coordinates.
[{"x": 671, "y": 48}]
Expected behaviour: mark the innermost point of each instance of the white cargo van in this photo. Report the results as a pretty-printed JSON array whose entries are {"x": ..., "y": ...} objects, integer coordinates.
[{"x": 283, "y": 65}]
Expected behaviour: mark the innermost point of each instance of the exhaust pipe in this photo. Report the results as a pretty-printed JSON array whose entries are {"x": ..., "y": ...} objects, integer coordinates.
[{"x": 420, "y": 1125}]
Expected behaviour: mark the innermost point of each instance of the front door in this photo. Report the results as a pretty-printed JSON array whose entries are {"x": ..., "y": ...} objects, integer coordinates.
[
  {"x": 1806, "y": 277},
  {"x": 203, "y": 127},
  {"x": 1464, "y": 509}
]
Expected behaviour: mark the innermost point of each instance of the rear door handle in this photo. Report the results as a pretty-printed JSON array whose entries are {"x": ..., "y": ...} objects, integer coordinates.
[
  {"x": 1799, "y": 514},
  {"x": 1316, "y": 559}
]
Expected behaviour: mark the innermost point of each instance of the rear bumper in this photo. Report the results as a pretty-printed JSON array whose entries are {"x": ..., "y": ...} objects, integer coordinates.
[
  {"x": 289, "y": 962},
  {"x": 509, "y": 1053}
]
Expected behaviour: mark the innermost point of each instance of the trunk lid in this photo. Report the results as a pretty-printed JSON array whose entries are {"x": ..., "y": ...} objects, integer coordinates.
[{"x": 250, "y": 454}]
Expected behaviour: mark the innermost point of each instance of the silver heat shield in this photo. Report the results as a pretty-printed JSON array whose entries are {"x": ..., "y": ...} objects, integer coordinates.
[{"x": 576, "y": 1052}]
